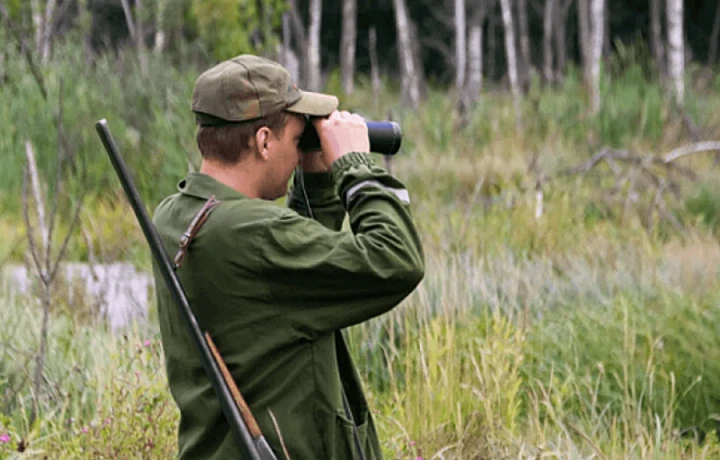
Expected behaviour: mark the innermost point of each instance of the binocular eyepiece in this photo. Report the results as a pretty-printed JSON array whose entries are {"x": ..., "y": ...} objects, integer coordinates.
[{"x": 385, "y": 137}]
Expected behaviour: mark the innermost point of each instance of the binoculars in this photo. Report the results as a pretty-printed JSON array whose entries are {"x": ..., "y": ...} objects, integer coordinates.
[{"x": 385, "y": 137}]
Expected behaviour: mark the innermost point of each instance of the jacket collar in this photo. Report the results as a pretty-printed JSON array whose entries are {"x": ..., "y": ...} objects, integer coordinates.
[{"x": 203, "y": 186}]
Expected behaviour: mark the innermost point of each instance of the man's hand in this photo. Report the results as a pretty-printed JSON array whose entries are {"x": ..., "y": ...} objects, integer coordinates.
[{"x": 341, "y": 133}]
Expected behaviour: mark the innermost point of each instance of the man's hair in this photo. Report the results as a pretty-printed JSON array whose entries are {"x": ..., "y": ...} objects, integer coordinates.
[{"x": 227, "y": 143}]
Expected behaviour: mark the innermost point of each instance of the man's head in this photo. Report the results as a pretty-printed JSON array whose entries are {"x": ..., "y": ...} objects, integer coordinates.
[{"x": 248, "y": 108}]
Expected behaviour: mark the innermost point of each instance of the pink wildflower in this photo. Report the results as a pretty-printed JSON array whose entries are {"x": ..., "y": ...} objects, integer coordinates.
[
  {"x": 85, "y": 429},
  {"x": 419, "y": 458},
  {"x": 412, "y": 443},
  {"x": 5, "y": 438},
  {"x": 147, "y": 343}
]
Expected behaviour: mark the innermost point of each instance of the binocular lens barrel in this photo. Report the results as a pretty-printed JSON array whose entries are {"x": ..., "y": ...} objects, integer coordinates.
[{"x": 385, "y": 137}]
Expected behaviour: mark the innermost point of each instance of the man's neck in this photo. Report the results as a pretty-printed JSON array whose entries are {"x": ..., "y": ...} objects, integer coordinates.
[{"x": 238, "y": 176}]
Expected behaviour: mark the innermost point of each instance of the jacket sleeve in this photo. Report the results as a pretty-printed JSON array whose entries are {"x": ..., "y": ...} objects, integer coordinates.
[
  {"x": 325, "y": 205},
  {"x": 324, "y": 280}
]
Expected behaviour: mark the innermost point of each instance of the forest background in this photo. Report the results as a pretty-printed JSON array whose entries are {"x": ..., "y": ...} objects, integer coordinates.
[{"x": 562, "y": 158}]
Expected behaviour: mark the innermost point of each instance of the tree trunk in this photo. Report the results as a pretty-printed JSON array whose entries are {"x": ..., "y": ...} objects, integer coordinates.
[
  {"x": 676, "y": 48},
  {"x": 584, "y": 37},
  {"x": 347, "y": 51},
  {"x": 374, "y": 70},
  {"x": 524, "y": 31},
  {"x": 511, "y": 58},
  {"x": 460, "y": 47},
  {"x": 597, "y": 22},
  {"x": 37, "y": 20},
  {"x": 408, "y": 65},
  {"x": 714, "y": 37},
  {"x": 492, "y": 43},
  {"x": 136, "y": 32},
  {"x": 560, "y": 26},
  {"x": 313, "y": 53},
  {"x": 47, "y": 31},
  {"x": 300, "y": 40},
  {"x": 547, "y": 40},
  {"x": 475, "y": 57},
  {"x": 160, "y": 26},
  {"x": 656, "y": 39}
]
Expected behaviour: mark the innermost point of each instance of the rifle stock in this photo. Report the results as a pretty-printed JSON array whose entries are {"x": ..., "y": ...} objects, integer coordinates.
[{"x": 252, "y": 443}]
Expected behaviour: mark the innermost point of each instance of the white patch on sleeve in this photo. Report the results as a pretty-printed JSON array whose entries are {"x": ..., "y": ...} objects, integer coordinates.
[{"x": 401, "y": 193}]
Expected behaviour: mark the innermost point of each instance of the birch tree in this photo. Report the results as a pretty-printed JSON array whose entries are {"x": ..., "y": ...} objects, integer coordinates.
[
  {"x": 313, "y": 53},
  {"x": 676, "y": 48},
  {"x": 409, "y": 65},
  {"x": 511, "y": 58},
  {"x": 714, "y": 37},
  {"x": 656, "y": 39},
  {"x": 597, "y": 22},
  {"x": 160, "y": 26},
  {"x": 548, "y": 13},
  {"x": 473, "y": 84},
  {"x": 583, "y": 13},
  {"x": 560, "y": 32},
  {"x": 135, "y": 27},
  {"x": 374, "y": 65},
  {"x": 460, "y": 47},
  {"x": 43, "y": 25},
  {"x": 300, "y": 35},
  {"x": 524, "y": 35},
  {"x": 347, "y": 48}
]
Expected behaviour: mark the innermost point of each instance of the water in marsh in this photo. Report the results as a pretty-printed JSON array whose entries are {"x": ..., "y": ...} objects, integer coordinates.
[{"x": 117, "y": 291}]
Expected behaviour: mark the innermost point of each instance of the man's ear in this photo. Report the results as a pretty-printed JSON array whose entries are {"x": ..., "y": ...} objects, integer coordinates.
[{"x": 262, "y": 137}]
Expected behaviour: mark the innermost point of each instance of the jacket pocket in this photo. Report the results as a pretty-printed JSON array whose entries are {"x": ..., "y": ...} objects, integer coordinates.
[{"x": 346, "y": 445}]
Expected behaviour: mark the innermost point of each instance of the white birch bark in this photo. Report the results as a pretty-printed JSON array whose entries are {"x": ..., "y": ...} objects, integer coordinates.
[
  {"x": 597, "y": 21},
  {"x": 474, "y": 78},
  {"x": 460, "y": 47},
  {"x": 47, "y": 31},
  {"x": 374, "y": 66},
  {"x": 656, "y": 39},
  {"x": 410, "y": 74},
  {"x": 676, "y": 48},
  {"x": 550, "y": 6},
  {"x": 523, "y": 29},
  {"x": 300, "y": 41},
  {"x": 313, "y": 55},
  {"x": 160, "y": 26},
  {"x": 37, "y": 20},
  {"x": 347, "y": 51},
  {"x": 511, "y": 58},
  {"x": 559, "y": 32},
  {"x": 134, "y": 24}
]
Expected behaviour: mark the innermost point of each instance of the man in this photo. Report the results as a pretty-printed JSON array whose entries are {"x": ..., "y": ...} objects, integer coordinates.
[{"x": 273, "y": 285}]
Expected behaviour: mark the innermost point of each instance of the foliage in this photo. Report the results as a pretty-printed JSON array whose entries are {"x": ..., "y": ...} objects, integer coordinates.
[
  {"x": 229, "y": 27},
  {"x": 575, "y": 334}
]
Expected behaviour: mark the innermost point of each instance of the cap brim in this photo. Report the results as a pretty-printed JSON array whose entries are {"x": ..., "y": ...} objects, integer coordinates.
[{"x": 314, "y": 104}]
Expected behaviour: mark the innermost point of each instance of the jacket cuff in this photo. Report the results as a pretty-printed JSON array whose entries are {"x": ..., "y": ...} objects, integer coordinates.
[{"x": 350, "y": 160}]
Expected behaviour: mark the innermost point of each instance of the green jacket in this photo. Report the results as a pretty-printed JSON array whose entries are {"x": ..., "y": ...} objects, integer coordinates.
[{"x": 274, "y": 288}]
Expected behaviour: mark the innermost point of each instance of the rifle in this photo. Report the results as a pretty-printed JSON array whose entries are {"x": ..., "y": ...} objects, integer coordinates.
[{"x": 253, "y": 444}]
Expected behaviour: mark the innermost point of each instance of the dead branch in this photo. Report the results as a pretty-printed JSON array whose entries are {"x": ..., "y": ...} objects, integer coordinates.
[{"x": 690, "y": 149}]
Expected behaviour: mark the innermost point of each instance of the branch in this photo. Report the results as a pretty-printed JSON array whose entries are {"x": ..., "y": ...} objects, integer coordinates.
[
  {"x": 692, "y": 148},
  {"x": 25, "y": 50}
]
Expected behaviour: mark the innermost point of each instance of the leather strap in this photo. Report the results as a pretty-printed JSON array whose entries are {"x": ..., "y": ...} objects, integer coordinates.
[{"x": 193, "y": 229}]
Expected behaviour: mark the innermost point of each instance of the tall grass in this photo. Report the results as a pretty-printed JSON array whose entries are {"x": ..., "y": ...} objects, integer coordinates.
[{"x": 579, "y": 334}]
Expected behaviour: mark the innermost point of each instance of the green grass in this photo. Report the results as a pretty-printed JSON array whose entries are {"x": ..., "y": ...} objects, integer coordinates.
[{"x": 590, "y": 332}]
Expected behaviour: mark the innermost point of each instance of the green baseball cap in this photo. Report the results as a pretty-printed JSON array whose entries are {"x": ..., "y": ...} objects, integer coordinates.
[{"x": 248, "y": 87}]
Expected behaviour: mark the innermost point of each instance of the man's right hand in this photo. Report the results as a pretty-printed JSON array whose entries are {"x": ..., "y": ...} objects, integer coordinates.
[{"x": 341, "y": 133}]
